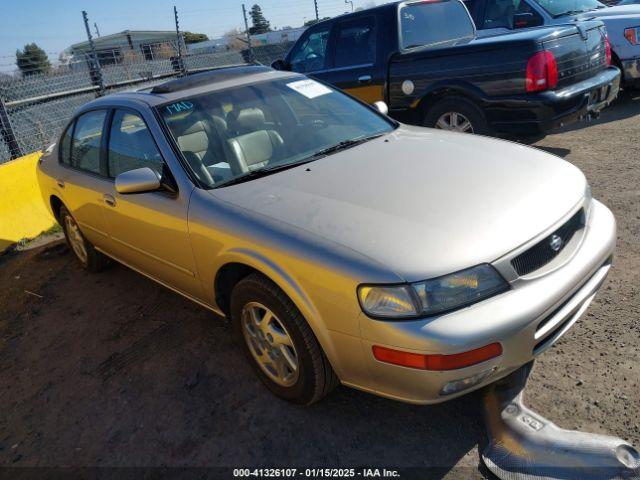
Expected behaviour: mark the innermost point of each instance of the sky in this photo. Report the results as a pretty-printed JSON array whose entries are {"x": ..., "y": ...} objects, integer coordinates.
[{"x": 56, "y": 24}]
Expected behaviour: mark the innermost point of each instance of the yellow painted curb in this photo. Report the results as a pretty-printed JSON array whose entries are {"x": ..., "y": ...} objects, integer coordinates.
[{"x": 23, "y": 213}]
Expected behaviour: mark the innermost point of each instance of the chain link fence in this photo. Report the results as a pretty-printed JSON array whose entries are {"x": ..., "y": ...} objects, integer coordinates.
[{"x": 36, "y": 106}]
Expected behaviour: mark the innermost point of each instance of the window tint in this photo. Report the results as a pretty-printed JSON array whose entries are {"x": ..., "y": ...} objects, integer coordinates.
[
  {"x": 131, "y": 145},
  {"x": 65, "y": 146},
  {"x": 355, "y": 43},
  {"x": 311, "y": 53},
  {"x": 435, "y": 24},
  {"x": 501, "y": 14},
  {"x": 85, "y": 153}
]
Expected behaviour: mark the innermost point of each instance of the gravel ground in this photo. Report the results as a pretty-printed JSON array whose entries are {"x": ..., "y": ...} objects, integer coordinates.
[{"x": 114, "y": 370}]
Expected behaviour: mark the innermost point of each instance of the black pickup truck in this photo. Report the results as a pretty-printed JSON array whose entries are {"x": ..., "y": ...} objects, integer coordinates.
[{"x": 423, "y": 59}]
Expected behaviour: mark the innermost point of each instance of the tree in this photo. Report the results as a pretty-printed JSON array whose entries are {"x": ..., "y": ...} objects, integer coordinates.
[
  {"x": 32, "y": 60},
  {"x": 260, "y": 24},
  {"x": 190, "y": 37}
]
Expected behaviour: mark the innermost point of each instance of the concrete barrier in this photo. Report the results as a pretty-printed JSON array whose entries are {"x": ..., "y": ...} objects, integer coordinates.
[{"x": 23, "y": 214}]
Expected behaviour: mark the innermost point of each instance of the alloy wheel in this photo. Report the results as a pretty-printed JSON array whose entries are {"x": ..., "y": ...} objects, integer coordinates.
[
  {"x": 270, "y": 344},
  {"x": 76, "y": 240},
  {"x": 454, "y": 122}
]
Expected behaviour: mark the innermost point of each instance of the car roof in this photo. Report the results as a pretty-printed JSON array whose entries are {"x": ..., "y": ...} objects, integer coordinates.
[{"x": 194, "y": 84}]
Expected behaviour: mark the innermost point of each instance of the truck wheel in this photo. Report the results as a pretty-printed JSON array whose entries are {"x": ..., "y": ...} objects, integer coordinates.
[
  {"x": 87, "y": 255},
  {"x": 457, "y": 114},
  {"x": 279, "y": 343}
]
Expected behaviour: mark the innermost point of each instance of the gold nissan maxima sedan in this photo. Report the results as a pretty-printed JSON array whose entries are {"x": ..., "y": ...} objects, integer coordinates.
[{"x": 411, "y": 263}]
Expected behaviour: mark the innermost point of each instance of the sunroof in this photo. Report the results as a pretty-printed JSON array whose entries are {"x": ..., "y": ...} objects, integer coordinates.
[{"x": 210, "y": 76}]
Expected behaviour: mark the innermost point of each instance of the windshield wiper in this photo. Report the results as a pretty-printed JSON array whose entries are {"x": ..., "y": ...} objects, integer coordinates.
[
  {"x": 259, "y": 172},
  {"x": 264, "y": 171},
  {"x": 343, "y": 145},
  {"x": 569, "y": 12}
]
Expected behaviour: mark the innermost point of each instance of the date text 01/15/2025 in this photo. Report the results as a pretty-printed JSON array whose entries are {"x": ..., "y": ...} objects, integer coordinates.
[{"x": 315, "y": 473}]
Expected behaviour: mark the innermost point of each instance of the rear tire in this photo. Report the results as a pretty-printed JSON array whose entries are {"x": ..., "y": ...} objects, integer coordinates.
[
  {"x": 86, "y": 254},
  {"x": 275, "y": 336},
  {"x": 457, "y": 114}
]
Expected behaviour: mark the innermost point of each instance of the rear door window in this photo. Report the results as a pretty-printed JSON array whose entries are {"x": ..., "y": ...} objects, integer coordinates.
[
  {"x": 87, "y": 138},
  {"x": 438, "y": 23},
  {"x": 355, "y": 43}
]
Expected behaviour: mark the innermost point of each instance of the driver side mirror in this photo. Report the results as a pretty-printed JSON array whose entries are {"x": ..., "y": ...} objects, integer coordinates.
[
  {"x": 140, "y": 180},
  {"x": 524, "y": 20},
  {"x": 279, "y": 65},
  {"x": 381, "y": 107}
]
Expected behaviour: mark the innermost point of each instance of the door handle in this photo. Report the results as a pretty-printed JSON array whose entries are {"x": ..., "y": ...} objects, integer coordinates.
[
  {"x": 109, "y": 200},
  {"x": 60, "y": 183},
  {"x": 364, "y": 79}
]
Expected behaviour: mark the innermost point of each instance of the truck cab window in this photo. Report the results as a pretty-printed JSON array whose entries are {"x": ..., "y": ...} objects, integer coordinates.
[
  {"x": 356, "y": 43},
  {"x": 311, "y": 53}
]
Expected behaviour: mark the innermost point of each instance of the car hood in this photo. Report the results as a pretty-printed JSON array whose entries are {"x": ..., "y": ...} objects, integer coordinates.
[
  {"x": 421, "y": 202},
  {"x": 604, "y": 13}
]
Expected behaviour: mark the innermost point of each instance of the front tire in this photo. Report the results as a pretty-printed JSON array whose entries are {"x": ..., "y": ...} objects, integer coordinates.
[
  {"x": 279, "y": 343},
  {"x": 90, "y": 259},
  {"x": 457, "y": 114}
]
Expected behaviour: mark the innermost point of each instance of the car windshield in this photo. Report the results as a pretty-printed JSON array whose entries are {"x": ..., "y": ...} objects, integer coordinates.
[
  {"x": 241, "y": 133},
  {"x": 558, "y": 8},
  {"x": 436, "y": 23}
]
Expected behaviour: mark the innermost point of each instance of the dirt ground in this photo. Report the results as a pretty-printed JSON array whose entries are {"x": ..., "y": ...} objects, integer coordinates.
[{"x": 114, "y": 370}]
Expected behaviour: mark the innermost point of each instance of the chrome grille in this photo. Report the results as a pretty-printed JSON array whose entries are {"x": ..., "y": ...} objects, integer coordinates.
[{"x": 543, "y": 252}]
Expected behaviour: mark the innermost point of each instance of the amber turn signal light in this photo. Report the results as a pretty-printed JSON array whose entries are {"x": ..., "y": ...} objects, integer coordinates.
[{"x": 437, "y": 362}]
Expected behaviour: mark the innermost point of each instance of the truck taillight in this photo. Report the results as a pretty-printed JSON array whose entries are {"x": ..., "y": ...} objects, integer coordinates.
[
  {"x": 542, "y": 72},
  {"x": 607, "y": 50}
]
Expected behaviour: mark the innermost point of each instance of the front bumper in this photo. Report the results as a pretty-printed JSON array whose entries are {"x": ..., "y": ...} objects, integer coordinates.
[
  {"x": 526, "y": 320},
  {"x": 538, "y": 113}
]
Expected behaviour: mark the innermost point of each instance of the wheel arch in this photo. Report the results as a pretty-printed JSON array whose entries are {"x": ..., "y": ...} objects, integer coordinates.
[
  {"x": 55, "y": 203},
  {"x": 616, "y": 62},
  {"x": 441, "y": 92},
  {"x": 239, "y": 263}
]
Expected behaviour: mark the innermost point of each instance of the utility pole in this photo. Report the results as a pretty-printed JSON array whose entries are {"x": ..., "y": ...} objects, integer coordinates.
[
  {"x": 315, "y": 4},
  {"x": 95, "y": 25},
  {"x": 181, "y": 67},
  {"x": 96, "y": 73},
  {"x": 349, "y": 2},
  {"x": 246, "y": 28}
]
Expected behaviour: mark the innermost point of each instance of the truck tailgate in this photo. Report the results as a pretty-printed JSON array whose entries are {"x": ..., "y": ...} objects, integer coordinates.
[{"x": 580, "y": 55}]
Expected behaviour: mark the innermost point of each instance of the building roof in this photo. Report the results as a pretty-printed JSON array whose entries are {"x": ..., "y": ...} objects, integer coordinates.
[{"x": 135, "y": 34}]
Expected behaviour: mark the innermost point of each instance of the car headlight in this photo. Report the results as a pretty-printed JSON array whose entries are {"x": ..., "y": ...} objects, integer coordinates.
[
  {"x": 430, "y": 297},
  {"x": 387, "y": 301}
]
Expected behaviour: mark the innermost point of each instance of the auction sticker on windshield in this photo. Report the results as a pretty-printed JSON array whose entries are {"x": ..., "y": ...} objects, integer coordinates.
[{"x": 309, "y": 88}]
